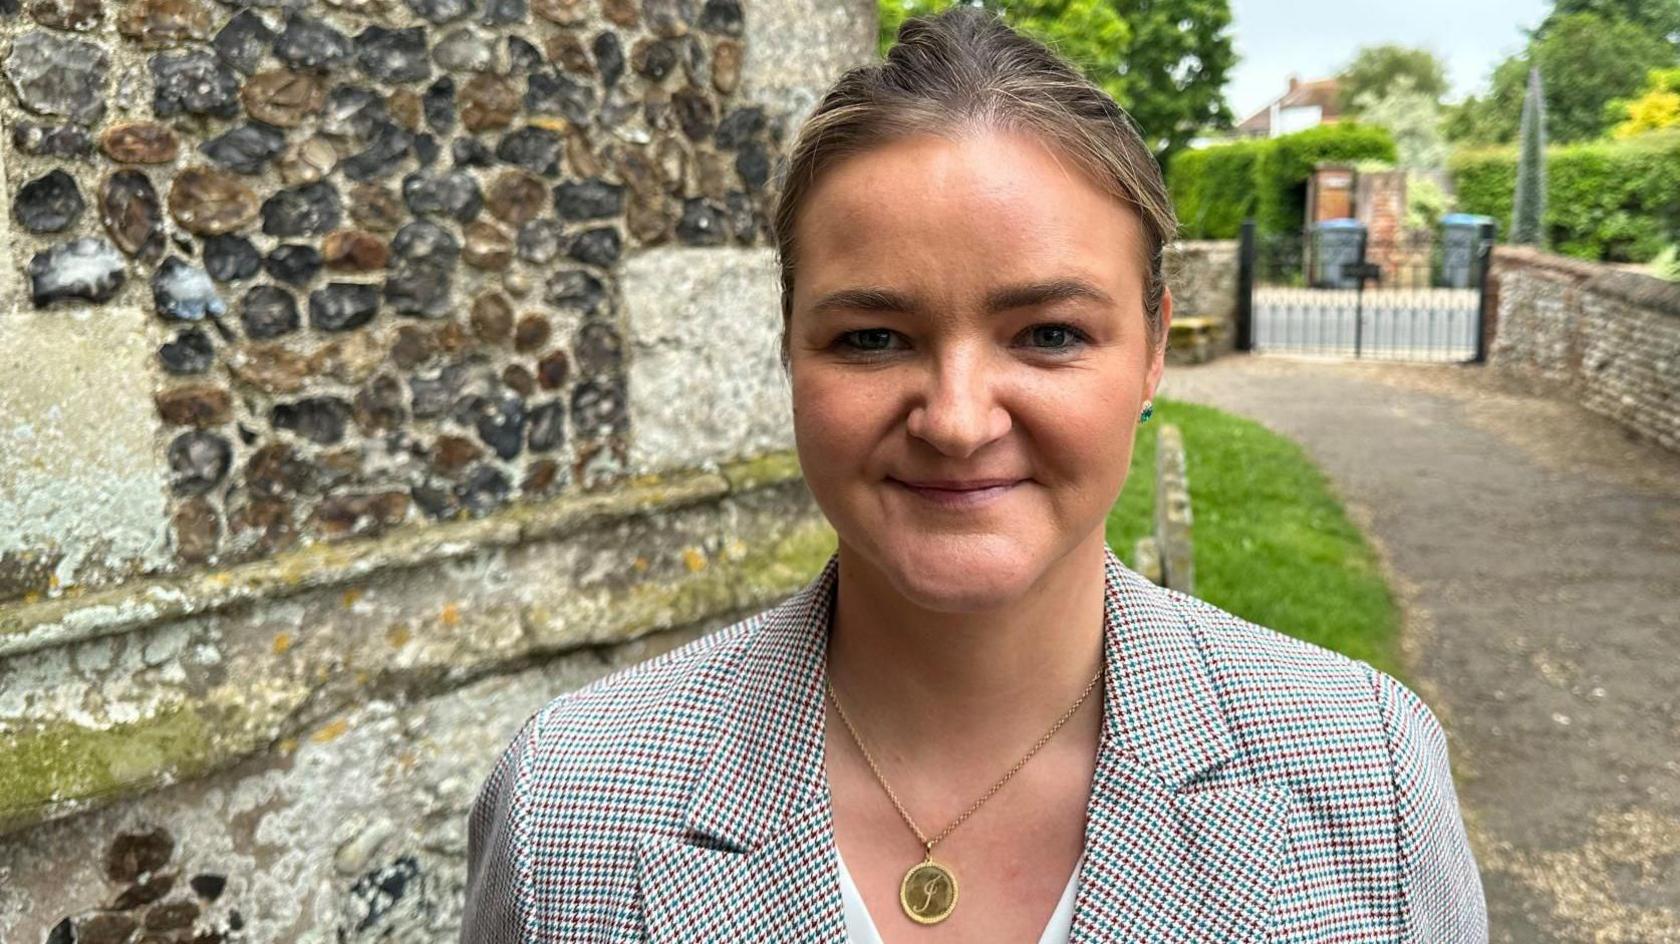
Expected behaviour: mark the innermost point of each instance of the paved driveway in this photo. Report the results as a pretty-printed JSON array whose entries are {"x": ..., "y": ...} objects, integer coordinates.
[{"x": 1536, "y": 549}]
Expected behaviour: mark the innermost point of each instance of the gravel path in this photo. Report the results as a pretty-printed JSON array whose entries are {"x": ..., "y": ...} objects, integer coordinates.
[{"x": 1536, "y": 550}]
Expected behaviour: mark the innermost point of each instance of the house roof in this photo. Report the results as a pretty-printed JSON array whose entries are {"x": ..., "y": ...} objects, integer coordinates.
[{"x": 1323, "y": 93}]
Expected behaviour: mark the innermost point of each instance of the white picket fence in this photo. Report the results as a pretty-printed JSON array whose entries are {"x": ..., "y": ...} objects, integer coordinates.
[{"x": 1413, "y": 324}]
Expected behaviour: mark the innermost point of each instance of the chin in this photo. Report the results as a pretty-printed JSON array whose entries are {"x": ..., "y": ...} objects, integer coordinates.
[{"x": 961, "y": 573}]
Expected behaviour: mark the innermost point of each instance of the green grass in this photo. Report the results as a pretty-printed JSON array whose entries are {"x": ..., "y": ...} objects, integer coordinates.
[{"x": 1272, "y": 542}]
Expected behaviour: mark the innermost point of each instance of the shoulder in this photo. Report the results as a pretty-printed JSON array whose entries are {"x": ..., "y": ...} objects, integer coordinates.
[
  {"x": 1304, "y": 716},
  {"x": 649, "y": 710},
  {"x": 1365, "y": 759},
  {"x": 1269, "y": 678}
]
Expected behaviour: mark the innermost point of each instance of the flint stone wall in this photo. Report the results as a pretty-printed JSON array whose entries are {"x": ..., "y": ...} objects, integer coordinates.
[
  {"x": 371, "y": 371},
  {"x": 1608, "y": 337},
  {"x": 1203, "y": 277}
]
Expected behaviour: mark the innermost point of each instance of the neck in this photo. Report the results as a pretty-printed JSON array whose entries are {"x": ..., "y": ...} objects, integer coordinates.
[{"x": 962, "y": 690}]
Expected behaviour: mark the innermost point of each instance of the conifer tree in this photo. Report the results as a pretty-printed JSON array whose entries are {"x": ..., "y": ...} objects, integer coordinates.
[{"x": 1529, "y": 209}]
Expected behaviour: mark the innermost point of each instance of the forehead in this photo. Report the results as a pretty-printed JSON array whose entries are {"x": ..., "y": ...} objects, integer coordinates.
[{"x": 951, "y": 217}]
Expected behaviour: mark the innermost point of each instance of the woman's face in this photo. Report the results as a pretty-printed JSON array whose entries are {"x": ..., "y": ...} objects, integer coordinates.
[{"x": 969, "y": 357}]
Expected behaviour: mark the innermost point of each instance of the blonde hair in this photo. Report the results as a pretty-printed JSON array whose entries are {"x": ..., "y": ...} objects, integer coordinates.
[{"x": 962, "y": 70}]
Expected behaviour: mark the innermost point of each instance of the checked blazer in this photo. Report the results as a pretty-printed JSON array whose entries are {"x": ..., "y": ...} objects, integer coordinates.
[{"x": 1249, "y": 787}]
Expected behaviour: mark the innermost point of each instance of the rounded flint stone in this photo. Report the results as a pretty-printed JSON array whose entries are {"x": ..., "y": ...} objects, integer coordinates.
[
  {"x": 485, "y": 489},
  {"x": 454, "y": 194},
  {"x": 438, "y": 105},
  {"x": 191, "y": 352},
  {"x": 49, "y": 203},
  {"x": 342, "y": 306},
  {"x": 309, "y": 43},
  {"x": 293, "y": 263},
  {"x": 609, "y": 57},
  {"x": 88, "y": 268},
  {"x": 229, "y": 258},
  {"x": 535, "y": 149},
  {"x": 393, "y": 55},
  {"x": 56, "y": 75},
  {"x": 600, "y": 246},
  {"x": 268, "y": 312},
  {"x": 309, "y": 210},
  {"x": 194, "y": 82},
  {"x": 464, "y": 50},
  {"x": 318, "y": 419},
  {"x": 575, "y": 289},
  {"x": 722, "y": 16},
  {"x": 442, "y": 11},
  {"x": 588, "y": 200},
  {"x": 182, "y": 291},
  {"x": 353, "y": 111},
  {"x": 246, "y": 149},
  {"x": 198, "y": 460},
  {"x": 244, "y": 41},
  {"x": 547, "y": 430},
  {"x": 423, "y": 242},
  {"x": 386, "y": 150}
]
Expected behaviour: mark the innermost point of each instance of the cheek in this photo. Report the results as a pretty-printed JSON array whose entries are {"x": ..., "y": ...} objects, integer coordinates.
[
  {"x": 834, "y": 420},
  {"x": 1078, "y": 428}
]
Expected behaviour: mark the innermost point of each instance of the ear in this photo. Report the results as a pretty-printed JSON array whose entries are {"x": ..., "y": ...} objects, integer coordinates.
[{"x": 1157, "y": 365}]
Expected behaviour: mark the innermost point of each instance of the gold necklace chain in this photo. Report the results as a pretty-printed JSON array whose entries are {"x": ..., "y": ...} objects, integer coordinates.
[{"x": 930, "y": 843}]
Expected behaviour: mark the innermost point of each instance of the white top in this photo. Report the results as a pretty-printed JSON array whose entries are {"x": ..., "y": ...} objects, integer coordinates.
[{"x": 860, "y": 928}]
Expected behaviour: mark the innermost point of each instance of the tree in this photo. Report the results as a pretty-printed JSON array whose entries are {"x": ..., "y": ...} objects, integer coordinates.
[
  {"x": 1586, "y": 61},
  {"x": 1656, "y": 108},
  {"x": 1413, "y": 118},
  {"x": 1376, "y": 69},
  {"x": 1659, "y": 18},
  {"x": 1528, "y": 213},
  {"x": 1164, "y": 61}
]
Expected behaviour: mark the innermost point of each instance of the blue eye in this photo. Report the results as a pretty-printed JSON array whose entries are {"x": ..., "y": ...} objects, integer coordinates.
[
  {"x": 868, "y": 339},
  {"x": 1056, "y": 337}
]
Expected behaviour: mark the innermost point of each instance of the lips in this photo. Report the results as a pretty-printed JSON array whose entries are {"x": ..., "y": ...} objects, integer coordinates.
[
  {"x": 958, "y": 494},
  {"x": 956, "y": 485}
]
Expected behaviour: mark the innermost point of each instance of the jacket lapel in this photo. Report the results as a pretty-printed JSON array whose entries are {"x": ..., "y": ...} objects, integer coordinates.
[
  {"x": 757, "y": 861},
  {"x": 1170, "y": 854}
]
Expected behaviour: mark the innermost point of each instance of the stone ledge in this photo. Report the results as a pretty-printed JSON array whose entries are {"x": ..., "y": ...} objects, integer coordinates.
[
  {"x": 30, "y": 626},
  {"x": 1637, "y": 288},
  {"x": 1527, "y": 257},
  {"x": 177, "y": 698}
]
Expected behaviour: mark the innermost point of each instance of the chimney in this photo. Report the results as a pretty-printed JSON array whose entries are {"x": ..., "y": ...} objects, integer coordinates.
[{"x": 1294, "y": 81}]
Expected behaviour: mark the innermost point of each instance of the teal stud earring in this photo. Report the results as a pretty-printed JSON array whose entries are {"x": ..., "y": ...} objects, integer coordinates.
[{"x": 1148, "y": 411}]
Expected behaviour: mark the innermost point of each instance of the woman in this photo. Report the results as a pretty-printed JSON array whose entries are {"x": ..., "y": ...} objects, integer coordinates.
[{"x": 976, "y": 724}]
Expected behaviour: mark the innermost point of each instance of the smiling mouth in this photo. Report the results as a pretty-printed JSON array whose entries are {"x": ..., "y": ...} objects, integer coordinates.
[{"x": 960, "y": 494}]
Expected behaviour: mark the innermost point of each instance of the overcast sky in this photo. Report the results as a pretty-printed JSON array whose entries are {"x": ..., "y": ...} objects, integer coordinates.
[{"x": 1315, "y": 38}]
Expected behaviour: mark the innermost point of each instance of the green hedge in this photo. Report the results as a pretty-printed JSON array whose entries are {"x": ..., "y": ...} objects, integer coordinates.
[
  {"x": 1610, "y": 201},
  {"x": 1215, "y": 188}
]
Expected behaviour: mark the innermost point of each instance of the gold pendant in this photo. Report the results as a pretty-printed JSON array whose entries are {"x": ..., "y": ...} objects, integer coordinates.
[{"x": 928, "y": 892}]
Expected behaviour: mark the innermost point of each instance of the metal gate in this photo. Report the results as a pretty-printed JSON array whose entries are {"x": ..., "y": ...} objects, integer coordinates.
[{"x": 1349, "y": 297}]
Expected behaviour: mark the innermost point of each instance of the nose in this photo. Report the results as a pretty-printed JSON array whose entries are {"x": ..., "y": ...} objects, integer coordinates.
[{"x": 958, "y": 411}]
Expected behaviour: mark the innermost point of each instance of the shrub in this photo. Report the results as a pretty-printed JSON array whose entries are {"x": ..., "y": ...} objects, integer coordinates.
[
  {"x": 1215, "y": 188},
  {"x": 1283, "y": 170},
  {"x": 1610, "y": 201}
]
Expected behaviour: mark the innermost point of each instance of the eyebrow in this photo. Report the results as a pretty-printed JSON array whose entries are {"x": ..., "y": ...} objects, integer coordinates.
[{"x": 998, "y": 300}]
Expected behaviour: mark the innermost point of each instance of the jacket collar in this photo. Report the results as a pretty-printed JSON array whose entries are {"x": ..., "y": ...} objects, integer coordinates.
[{"x": 761, "y": 806}]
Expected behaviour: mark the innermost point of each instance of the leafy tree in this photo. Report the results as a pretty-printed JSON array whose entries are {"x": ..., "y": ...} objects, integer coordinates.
[
  {"x": 1529, "y": 212},
  {"x": 1376, "y": 69},
  {"x": 1165, "y": 61},
  {"x": 1413, "y": 118},
  {"x": 1657, "y": 107},
  {"x": 1586, "y": 61},
  {"x": 1657, "y": 17}
]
